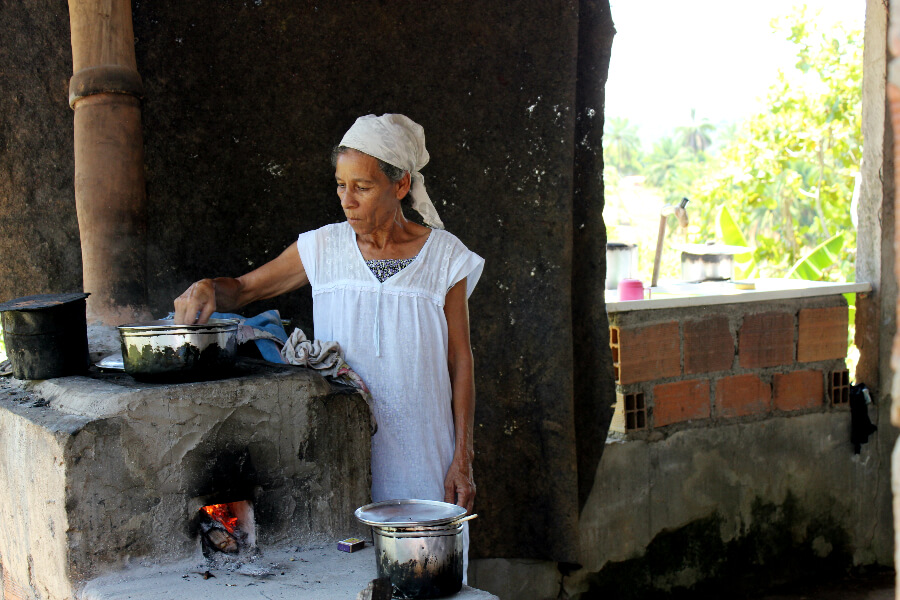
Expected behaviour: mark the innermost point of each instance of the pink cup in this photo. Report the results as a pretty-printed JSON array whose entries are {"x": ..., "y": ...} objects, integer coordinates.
[{"x": 631, "y": 289}]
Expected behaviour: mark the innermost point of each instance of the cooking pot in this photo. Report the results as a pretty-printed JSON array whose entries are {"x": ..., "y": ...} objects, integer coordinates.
[
  {"x": 46, "y": 335},
  {"x": 708, "y": 262},
  {"x": 418, "y": 545},
  {"x": 163, "y": 351}
]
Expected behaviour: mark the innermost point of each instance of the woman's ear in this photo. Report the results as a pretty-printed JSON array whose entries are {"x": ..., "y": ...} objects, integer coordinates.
[{"x": 403, "y": 186}]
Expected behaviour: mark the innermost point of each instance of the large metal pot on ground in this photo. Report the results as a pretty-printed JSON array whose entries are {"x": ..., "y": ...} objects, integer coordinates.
[
  {"x": 163, "y": 351},
  {"x": 418, "y": 545}
]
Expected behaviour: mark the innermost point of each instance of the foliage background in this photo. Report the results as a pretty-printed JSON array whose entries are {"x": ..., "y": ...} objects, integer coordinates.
[{"x": 782, "y": 181}]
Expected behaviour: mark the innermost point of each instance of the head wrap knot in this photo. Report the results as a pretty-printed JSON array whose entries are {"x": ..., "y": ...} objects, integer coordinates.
[{"x": 399, "y": 141}]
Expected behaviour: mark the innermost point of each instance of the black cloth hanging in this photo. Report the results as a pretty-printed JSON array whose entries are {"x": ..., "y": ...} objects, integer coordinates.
[{"x": 861, "y": 426}]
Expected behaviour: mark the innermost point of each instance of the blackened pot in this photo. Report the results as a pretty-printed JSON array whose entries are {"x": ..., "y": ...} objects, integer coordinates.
[
  {"x": 418, "y": 545},
  {"x": 46, "y": 335},
  {"x": 160, "y": 351},
  {"x": 421, "y": 562}
]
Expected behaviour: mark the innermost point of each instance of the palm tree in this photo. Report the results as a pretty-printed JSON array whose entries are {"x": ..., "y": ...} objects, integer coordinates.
[
  {"x": 621, "y": 145},
  {"x": 669, "y": 165},
  {"x": 696, "y": 136}
]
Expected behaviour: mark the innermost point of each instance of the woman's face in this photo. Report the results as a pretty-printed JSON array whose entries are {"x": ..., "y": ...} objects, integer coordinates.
[{"x": 370, "y": 200}]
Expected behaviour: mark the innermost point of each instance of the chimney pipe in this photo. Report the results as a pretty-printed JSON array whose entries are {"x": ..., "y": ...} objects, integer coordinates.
[{"x": 110, "y": 196}]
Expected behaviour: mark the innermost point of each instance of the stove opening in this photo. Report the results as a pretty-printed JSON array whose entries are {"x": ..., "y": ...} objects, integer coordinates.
[{"x": 228, "y": 528}]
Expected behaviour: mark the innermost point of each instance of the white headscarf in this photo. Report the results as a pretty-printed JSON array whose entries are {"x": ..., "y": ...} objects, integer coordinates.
[{"x": 400, "y": 142}]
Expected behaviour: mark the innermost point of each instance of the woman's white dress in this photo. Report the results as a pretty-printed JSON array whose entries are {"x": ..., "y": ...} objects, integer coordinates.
[{"x": 394, "y": 335}]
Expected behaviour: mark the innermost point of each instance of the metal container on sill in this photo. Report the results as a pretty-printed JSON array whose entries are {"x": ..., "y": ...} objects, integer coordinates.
[
  {"x": 46, "y": 335},
  {"x": 621, "y": 263},
  {"x": 708, "y": 262},
  {"x": 418, "y": 545}
]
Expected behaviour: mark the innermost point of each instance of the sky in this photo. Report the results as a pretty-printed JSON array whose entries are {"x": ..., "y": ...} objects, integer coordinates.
[{"x": 716, "y": 56}]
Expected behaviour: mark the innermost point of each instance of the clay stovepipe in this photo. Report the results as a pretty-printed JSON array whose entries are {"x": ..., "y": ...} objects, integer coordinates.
[{"x": 110, "y": 195}]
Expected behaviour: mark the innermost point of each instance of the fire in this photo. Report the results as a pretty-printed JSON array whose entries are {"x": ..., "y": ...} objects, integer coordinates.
[{"x": 223, "y": 514}]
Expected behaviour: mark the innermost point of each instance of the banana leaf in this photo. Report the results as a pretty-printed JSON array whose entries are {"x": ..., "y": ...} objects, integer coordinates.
[
  {"x": 728, "y": 231},
  {"x": 813, "y": 265}
]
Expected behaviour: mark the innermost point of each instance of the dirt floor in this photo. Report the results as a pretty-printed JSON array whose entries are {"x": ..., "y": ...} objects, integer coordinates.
[{"x": 873, "y": 586}]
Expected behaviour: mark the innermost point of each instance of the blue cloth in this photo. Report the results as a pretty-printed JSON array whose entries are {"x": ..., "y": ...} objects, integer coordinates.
[{"x": 268, "y": 321}]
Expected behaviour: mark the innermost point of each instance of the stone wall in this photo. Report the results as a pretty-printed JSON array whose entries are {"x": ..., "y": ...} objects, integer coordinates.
[{"x": 39, "y": 242}]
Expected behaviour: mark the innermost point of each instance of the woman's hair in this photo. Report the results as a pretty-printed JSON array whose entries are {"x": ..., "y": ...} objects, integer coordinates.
[{"x": 394, "y": 174}]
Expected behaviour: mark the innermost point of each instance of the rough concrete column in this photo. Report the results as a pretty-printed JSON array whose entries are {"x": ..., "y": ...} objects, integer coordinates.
[
  {"x": 876, "y": 313},
  {"x": 110, "y": 193},
  {"x": 893, "y": 98}
]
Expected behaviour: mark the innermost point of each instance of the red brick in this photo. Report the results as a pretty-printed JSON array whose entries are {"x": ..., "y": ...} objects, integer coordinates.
[
  {"x": 823, "y": 333},
  {"x": 708, "y": 345},
  {"x": 680, "y": 401},
  {"x": 742, "y": 395},
  {"x": 766, "y": 340},
  {"x": 645, "y": 353},
  {"x": 798, "y": 390}
]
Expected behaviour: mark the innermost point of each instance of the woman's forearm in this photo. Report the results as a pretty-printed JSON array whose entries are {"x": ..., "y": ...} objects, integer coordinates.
[
  {"x": 459, "y": 484},
  {"x": 462, "y": 380},
  {"x": 226, "y": 294}
]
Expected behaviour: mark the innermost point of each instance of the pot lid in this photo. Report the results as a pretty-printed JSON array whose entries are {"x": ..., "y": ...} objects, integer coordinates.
[
  {"x": 711, "y": 248},
  {"x": 406, "y": 513},
  {"x": 113, "y": 362},
  {"x": 41, "y": 301},
  {"x": 169, "y": 326}
]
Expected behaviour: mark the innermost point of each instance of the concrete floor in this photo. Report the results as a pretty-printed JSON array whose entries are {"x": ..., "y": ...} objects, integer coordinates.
[{"x": 314, "y": 573}]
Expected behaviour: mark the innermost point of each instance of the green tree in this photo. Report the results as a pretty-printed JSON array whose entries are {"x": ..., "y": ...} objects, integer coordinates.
[
  {"x": 671, "y": 167},
  {"x": 697, "y": 136},
  {"x": 787, "y": 174},
  {"x": 621, "y": 145}
]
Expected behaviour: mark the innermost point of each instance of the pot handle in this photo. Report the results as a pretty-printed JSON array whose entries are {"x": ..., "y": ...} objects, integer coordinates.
[{"x": 463, "y": 519}]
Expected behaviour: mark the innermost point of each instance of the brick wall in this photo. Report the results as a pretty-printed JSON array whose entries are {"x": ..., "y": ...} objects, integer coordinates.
[{"x": 701, "y": 365}]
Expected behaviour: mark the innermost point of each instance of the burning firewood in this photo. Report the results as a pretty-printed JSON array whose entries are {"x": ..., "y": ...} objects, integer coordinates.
[
  {"x": 219, "y": 536},
  {"x": 221, "y": 540}
]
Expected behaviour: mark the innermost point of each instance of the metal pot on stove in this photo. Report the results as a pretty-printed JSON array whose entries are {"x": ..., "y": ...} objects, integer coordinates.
[
  {"x": 418, "y": 545},
  {"x": 163, "y": 351}
]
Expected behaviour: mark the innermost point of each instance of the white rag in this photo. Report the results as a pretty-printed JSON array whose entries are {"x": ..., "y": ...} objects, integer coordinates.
[
  {"x": 400, "y": 142},
  {"x": 322, "y": 356},
  {"x": 326, "y": 358}
]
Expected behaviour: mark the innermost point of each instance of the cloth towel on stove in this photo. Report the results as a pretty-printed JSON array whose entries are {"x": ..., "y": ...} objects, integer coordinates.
[
  {"x": 326, "y": 357},
  {"x": 265, "y": 330}
]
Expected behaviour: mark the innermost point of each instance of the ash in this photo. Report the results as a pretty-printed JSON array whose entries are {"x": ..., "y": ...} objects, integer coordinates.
[{"x": 249, "y": 564}]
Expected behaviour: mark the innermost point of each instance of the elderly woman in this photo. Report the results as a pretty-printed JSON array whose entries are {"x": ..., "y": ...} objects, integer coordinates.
[{"x": 394, "y": 295}]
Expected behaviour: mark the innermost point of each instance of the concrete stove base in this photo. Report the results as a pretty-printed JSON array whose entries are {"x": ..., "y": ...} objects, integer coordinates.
[
  {"x": 99, "y": 472},
  {"x": 318, "y": 573}
]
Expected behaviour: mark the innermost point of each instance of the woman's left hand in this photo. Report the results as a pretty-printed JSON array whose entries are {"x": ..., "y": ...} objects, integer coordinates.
[{"x": 459, "y": 485}]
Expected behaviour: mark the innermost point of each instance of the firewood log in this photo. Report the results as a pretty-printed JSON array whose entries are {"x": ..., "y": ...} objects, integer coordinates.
[{"x": 378, "y": 589}]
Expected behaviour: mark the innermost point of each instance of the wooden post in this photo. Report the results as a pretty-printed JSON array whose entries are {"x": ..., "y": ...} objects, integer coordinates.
[{"x": 110, "y": 195}]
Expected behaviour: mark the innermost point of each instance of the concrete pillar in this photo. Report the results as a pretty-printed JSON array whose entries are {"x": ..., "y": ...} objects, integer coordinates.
[
  {"x": 893, "y": 99},
  {"x": 110, "y": 194}
]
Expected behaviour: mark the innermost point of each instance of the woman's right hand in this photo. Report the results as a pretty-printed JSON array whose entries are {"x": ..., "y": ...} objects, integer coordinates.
[{"x": 196, "y": 304}]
